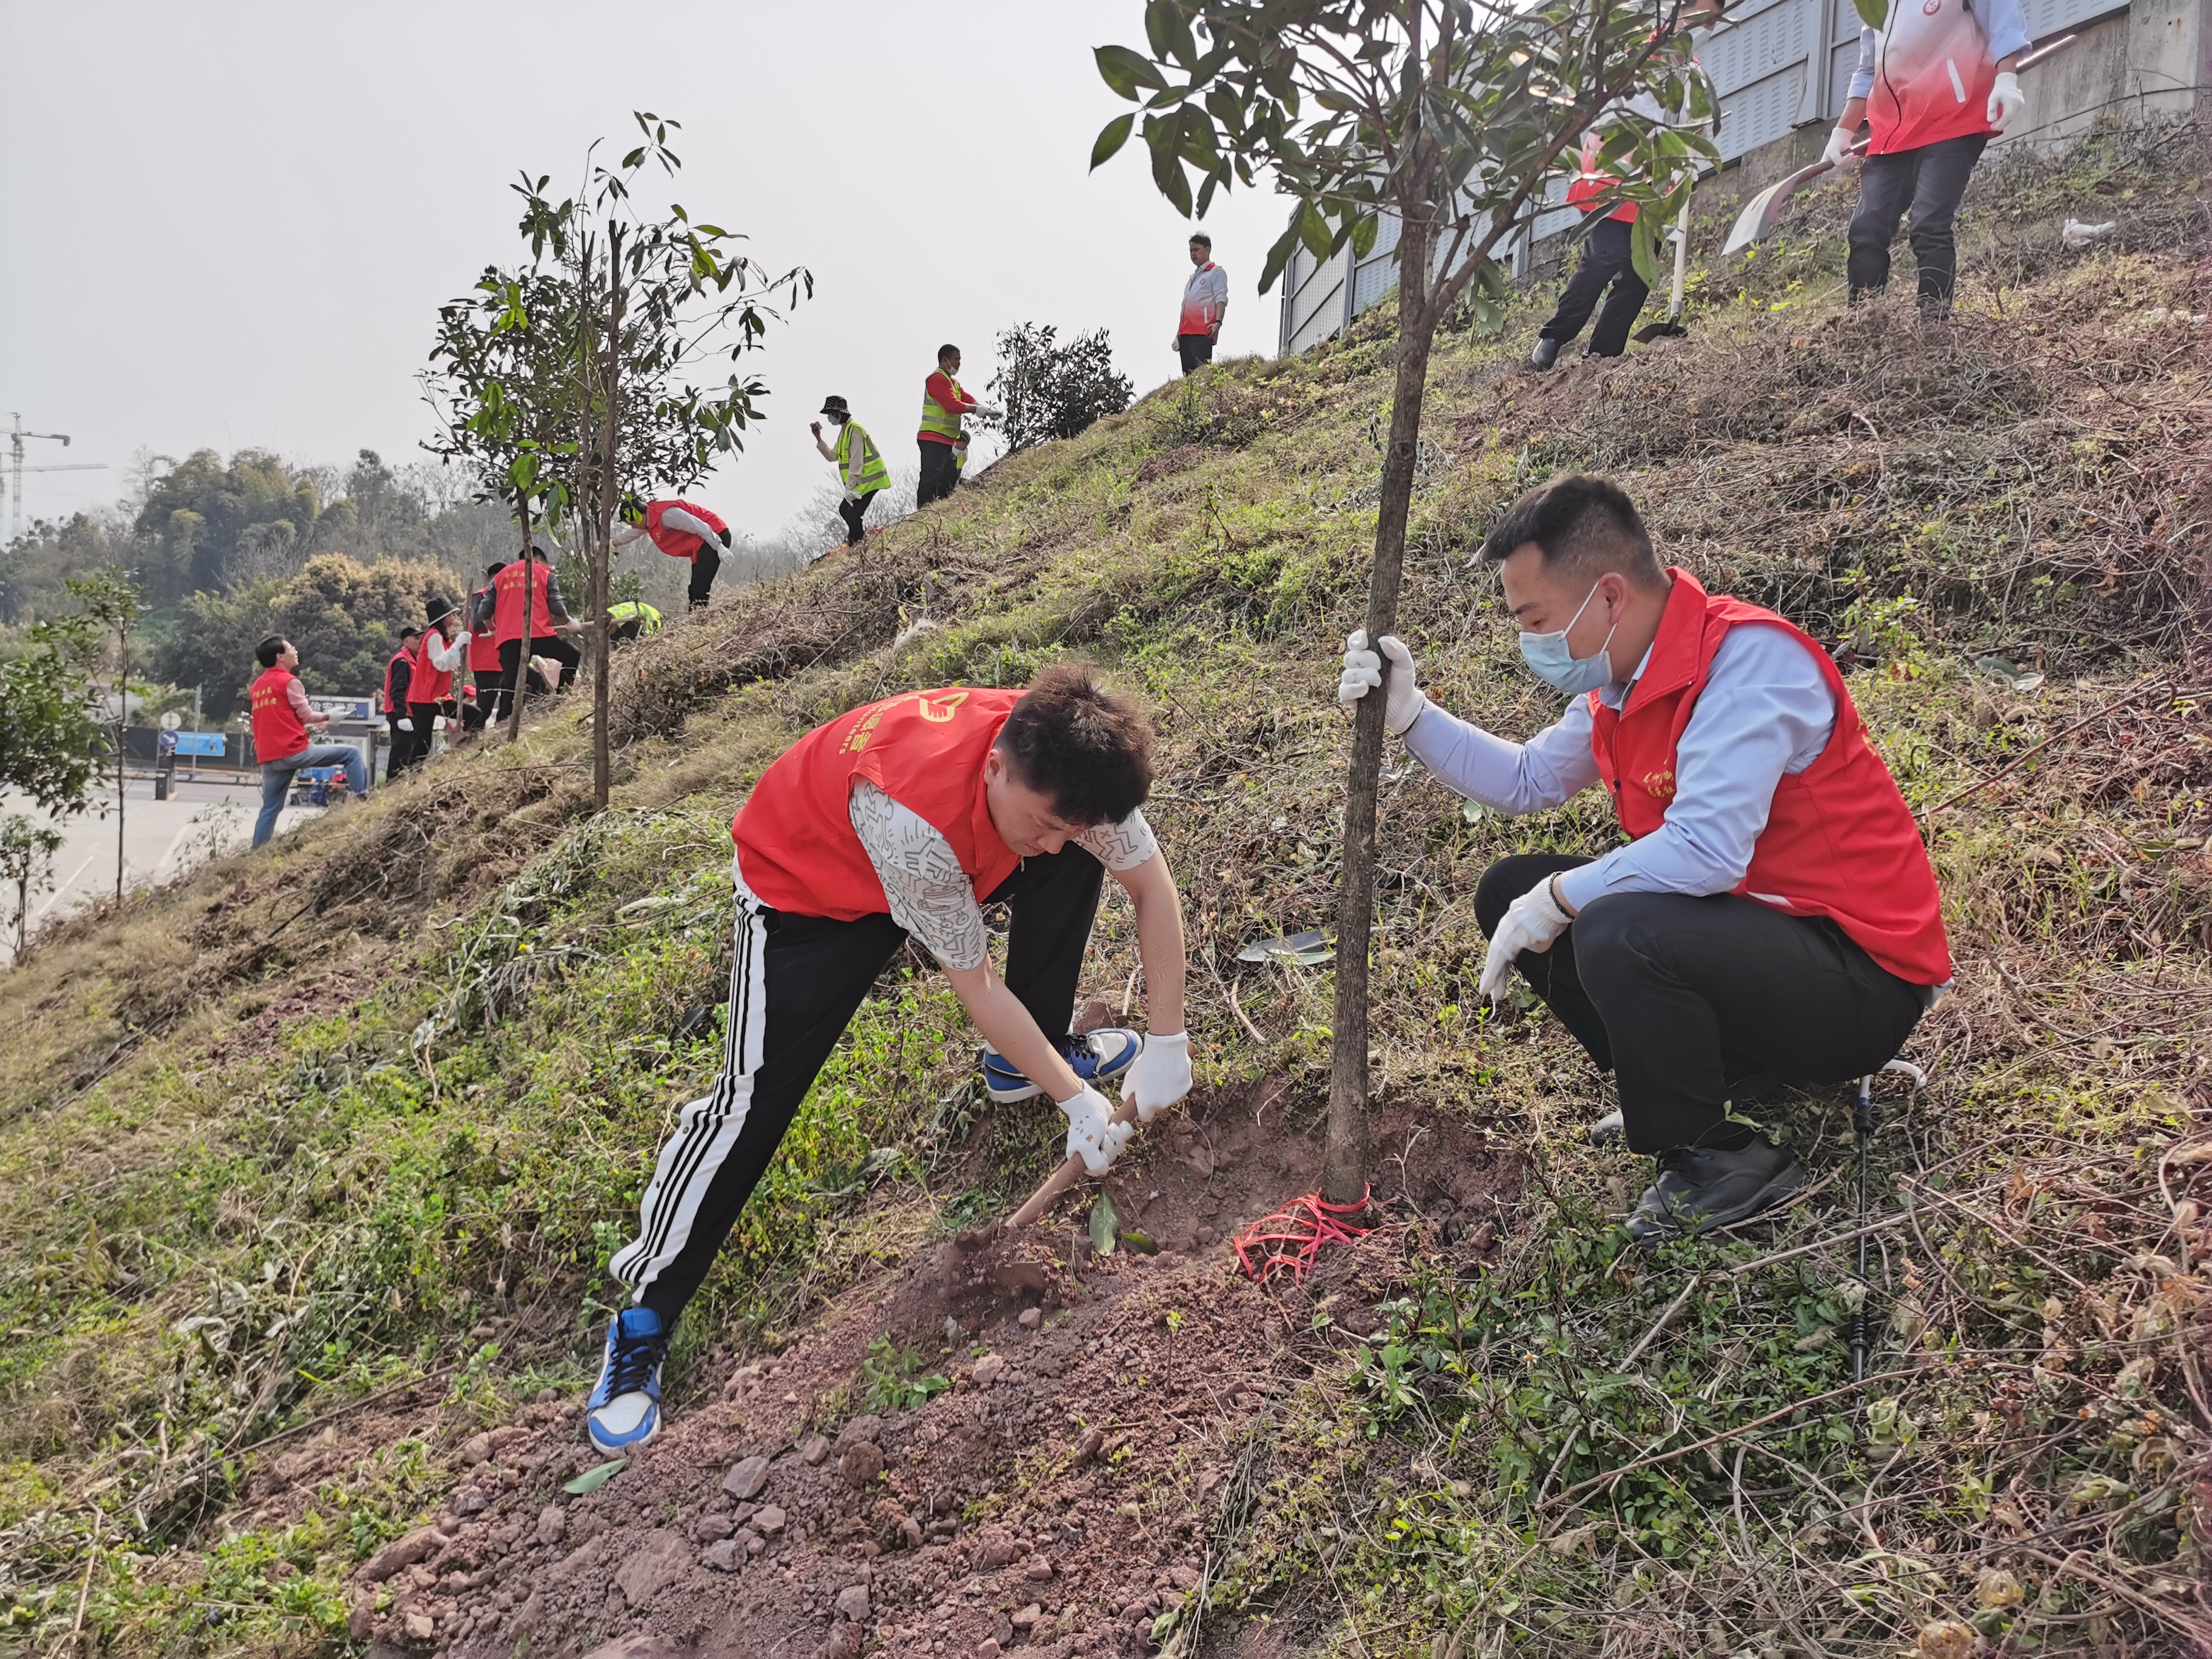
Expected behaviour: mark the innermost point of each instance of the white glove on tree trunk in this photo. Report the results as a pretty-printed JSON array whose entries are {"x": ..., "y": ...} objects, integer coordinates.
[
  {"x": 2006, "y": 100},
  {"x": 1092, "y": 1135},
  {"x": 1161, "y": 1075},
  {"x": 1363, "y": 672},
  {"x": 1531, "y": 922},
  {"x": 1838, "y": 151}
]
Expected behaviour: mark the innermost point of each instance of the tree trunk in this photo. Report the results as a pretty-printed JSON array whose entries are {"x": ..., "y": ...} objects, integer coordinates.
[
  {"x": 1344, "y": 1162},
  {"x": 122, "y": 720},
  {"x": 603, "y": 531},
  {"x": 529, "y": 597}
]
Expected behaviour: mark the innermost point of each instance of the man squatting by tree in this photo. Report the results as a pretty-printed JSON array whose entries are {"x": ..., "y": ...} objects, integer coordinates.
[
  {"x": 1773, "y": 919},
  {"x": 905, "y": 817}
]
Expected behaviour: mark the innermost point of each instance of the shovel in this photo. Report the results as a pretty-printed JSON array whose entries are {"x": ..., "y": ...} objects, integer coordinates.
[
  {"x": 1672, "y": 326},
  {"x": 1760, "y": 214}
]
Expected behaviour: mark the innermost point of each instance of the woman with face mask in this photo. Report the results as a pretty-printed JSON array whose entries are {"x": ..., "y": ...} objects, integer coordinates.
[{"x": 1773, "y": 917}]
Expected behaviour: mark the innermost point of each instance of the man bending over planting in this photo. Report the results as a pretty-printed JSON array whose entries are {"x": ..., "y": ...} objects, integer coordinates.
[
  {"x": 1773, "y": 914},
  {"x": 906, "y": 817}
]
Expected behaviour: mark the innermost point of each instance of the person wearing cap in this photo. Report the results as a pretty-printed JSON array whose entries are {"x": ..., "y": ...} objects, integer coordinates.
[
  {"x": 398, "y": 676},
  {"x": 1205, "y": 303},
  {"x": 484, "y": 651},
  {"x": 442, "y": 650},
  {"x": 861, "y": 473},
  {"x": 681, "y": 529}
]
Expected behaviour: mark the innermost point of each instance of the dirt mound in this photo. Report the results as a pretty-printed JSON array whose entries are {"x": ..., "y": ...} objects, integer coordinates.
[{"x": 1057, "y": 1492}]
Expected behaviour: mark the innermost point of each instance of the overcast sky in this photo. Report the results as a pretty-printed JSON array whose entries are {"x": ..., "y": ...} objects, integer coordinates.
[{"x": 230, "y": 225}]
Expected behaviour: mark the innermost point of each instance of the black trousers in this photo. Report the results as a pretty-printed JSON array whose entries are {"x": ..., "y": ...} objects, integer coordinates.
[
  {"x": 1681, "y": 998},
  {"x": 795, "y": 983},
  {"x": 852, "y": 512},
  {"x": 938, "y": 474},
  {"x": 477, "y": 710},
  {"x": 706, "y": 564},
  {"x": 554, "y": 646},
  {"x": 1196, "y": 350},
  {"x": 407, "y": 747},
  {"x": 1930, "y": 181},
  {"x": 1604, "y": 261}
]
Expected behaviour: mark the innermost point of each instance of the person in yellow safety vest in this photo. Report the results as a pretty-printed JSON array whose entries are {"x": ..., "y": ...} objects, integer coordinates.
[
  {"x": 960, "y": 456},
  {"x": 860, "y": 470},
  {"x": 943, "y": 403},
  {"x": 631, "y": 618}
]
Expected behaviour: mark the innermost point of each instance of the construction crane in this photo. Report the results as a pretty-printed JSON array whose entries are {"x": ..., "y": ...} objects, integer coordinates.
[{"x": 16, "y": 457}]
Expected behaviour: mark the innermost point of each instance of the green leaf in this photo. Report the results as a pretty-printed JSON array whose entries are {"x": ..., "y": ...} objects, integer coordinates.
[
  {"x": 1104, "y": 1227},
  {"x": 1873, "y": 13},
  {"x": 1126, "y": 71},
  {"x": 1167, "y": 164},
  {"x": 593, "y": 1480},
  {"x": 1643, "y": 240},
  {"x": 1111, "y": 137},
  {"x": 1142, "y": 1244},
  {"x": 1313, "y": 231},
  {"x": 1279, "y": 256}
]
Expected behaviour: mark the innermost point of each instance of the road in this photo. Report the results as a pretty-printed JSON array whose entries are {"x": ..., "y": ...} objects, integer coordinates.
[{"x": 162, "y": 841}]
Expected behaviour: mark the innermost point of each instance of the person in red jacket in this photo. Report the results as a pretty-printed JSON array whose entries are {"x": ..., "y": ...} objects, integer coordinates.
[
  {"x": 681, "y": 529},
  {"x": 1773, "y": 917},
  {"x": 1603, "y": 263},
  {"x": 548, "y": 616},
  {"x": 903, "y": 819}
]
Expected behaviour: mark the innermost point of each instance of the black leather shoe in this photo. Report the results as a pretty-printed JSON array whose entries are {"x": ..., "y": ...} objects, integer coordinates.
[
  {"x": 1701, "y": 1188},
  {"x": 1546, "y": 354}
]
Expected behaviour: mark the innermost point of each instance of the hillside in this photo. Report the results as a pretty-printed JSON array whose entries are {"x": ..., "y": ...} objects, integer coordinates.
[{"x": 309, "y": 1165}]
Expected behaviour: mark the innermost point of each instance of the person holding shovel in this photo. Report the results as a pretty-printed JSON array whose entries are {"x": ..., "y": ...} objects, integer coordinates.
[
  {"x": 1773, "y": 913},
  {"x": 903, "y": 819}
]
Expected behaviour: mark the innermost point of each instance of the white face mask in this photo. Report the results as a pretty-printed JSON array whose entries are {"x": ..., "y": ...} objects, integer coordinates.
[{"x": 1552, "y": 662}]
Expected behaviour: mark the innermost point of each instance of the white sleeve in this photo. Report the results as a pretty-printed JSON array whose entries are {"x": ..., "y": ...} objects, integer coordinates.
[
  {"x": 676, "y": 519},
  {"x": 447, "y": 659},
  {"x": 626, "y": 533},
  {"x": 931, "y": 896},
  {"x": 828, "y": 453},
  {"x": 1123, "y": 846}
]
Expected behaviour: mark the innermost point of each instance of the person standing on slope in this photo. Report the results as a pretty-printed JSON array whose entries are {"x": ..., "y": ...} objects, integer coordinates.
[
  {"x": 1773, "y": 914},
  {"x": 905, "y": 817},
  {"x": 860, "y": 470},
  {"x": 484, "y": 651},
  {"x": 549, "y": 618},
  {"x": 1205, "y": 304},
  {"x": 1933, "y": 84},
  {"x": 281, "y": 719},
  {"x": 398, "y": 678},
  {"x": 681, "y": 529},
  {"x": 1603, "y": 263},
  {"x": 430, "y": 687},
  {"x": 943, "y": 404}
]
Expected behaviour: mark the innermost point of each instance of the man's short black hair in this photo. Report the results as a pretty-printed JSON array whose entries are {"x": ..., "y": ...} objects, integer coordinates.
[
  {"x": 1203, "y": 239},
  {"x": 1584, "y": 525},
  {"x": 945, "y": 351},
  {"x": 1073, "y": 741},
  {"x": 270, "y": 649},
  {"x": 495, "y": 566}
]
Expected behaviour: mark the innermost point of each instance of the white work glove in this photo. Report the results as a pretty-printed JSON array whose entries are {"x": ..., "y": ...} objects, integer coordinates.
[
  {"x": 1838, "y": 152},
  {"x": 2006, "y": 100},
  {"x": 407, "y": 725},
  {"x": 1532, "y": 922},
  {"x": 437, "y": 722},
  {"x": 1161, "y": 1075},
  {"x": 1092, "y": 1135},
  {"x": 1363, "y": 672},
  {"x": 992, "y": 410},
  {"x": 851, "y": 495}
]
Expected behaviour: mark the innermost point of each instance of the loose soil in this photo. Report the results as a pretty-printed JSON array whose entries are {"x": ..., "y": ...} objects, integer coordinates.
[{"x": 1056, "y": 1496}]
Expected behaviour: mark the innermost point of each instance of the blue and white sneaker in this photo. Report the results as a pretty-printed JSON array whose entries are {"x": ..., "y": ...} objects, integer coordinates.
[
  {"x": 1097, "y": 1058},
  {"x": 624, "y": 1412}
]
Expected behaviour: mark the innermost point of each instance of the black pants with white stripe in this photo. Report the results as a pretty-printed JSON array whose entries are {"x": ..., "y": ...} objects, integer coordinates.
[{"x": 795, "y": 982}]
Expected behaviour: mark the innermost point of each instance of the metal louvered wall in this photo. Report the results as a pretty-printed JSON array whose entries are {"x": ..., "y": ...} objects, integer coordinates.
[{"x": 1777, "y": 64}]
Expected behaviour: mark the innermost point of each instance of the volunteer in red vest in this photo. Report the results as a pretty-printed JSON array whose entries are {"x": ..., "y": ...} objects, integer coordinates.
[
  {"x": 438, "y": 653},
  {"x": 1205, "y": 304},
  {"x": 943, "y": 403},
  {"x": 283, "y": 717},
  {"x": 484, "y": 651},
  {"x": 407, "y": 745},
  {"x": 903, "y": 819},
  {"x": 681, "y": 529},
  {"x": 1604, "y": 263},
  {"x": 1933, "y": 84},
  {"x": 548, "y": 614},
  {"x": 1773, "y": 917}
]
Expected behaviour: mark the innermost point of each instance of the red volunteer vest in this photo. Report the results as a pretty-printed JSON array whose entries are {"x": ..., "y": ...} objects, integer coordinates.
[
  {"x": 278, "y": 731},
  {"x": 1932, "y": 77},
  {"x": 1839, "y": 840},
  {"x": 506, "y": 613},
  {"x": 796, "y": 847},
  {"x": 678, "y": 544},
  {"x": 429, "y": 685},
  {"x": 483, "y": 650},
  {"x": 396, "y": 658}
]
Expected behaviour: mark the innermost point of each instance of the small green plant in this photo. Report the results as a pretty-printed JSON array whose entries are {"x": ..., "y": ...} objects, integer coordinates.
[{"x": 888, "y": 1379}]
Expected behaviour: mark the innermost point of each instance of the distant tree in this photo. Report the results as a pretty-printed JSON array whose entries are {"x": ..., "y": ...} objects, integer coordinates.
[
  {"x": 1051, "y": 391},
  {"x": 47, "y": 733},
  {"x": 113, "y": 604},
  {"x": 204, "y": 513},
  {"x": 27, "y": 864}
]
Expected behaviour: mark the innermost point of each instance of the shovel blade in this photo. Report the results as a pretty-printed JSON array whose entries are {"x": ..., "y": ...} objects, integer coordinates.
[{"x": 1760, "y": 213}]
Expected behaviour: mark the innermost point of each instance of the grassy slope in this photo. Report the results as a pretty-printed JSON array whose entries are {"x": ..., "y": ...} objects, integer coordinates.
[{"x": 376, "y": 1104}]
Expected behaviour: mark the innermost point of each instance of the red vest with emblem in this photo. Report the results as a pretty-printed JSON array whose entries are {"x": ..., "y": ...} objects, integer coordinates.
[
  {"x": 430, "y": 684},
  {"x": 1839, "y": 840},
  {"x": 506, "y": 612},
  {"x": 483, "y": 650},
  {"x": 796, "y": 845},
  {"x": 403, "y": 654},
  {"x": 278, "y": 731},
  {"x": 678, "y": 544},
  {"x": 1932, "y": 76}
]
